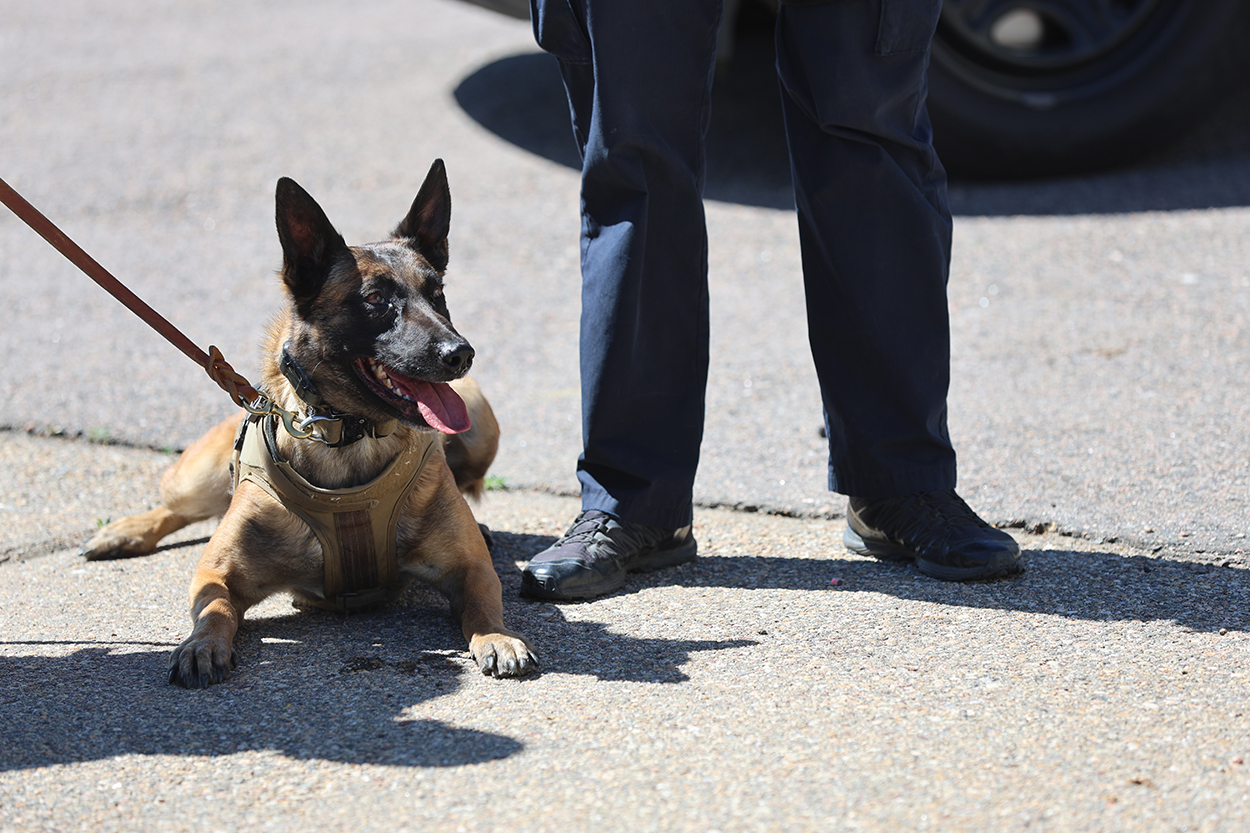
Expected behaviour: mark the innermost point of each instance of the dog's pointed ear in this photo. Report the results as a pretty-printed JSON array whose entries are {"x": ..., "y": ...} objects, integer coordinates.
[
  {"x": 310, "y": 243},
  {"x": 429, "y": 220}
]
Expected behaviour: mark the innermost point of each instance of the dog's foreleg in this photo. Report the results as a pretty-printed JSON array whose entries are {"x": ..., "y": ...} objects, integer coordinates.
[
  {"x": 468, "y": 580},
  {"x": 206, "y": 656},
  {"x": 222, "y": 589},
  {"x": 476, "y": 599},
  {"x": 443, "y": 546}
]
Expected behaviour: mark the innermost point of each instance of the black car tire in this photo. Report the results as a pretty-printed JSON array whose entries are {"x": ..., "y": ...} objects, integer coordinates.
[{"x": 1105, "y": 82}]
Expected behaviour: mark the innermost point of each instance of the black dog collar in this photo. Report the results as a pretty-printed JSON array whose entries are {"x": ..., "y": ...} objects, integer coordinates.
[
  {"x": 329, "y": 426},
  {"x": 301, "y": 381}
]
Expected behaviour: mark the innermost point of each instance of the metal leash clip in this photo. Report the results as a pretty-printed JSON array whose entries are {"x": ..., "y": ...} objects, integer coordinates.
[{"x": 264, "y": 406}]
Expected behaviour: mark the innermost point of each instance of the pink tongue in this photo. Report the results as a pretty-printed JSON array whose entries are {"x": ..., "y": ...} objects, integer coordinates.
[{"x": 440, "y": 406}]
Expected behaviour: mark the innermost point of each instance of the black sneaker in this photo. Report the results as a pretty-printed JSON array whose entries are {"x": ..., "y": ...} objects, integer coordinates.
[
  {"x": 595, "y": 554},
  {"x": 937, "y": 530}
]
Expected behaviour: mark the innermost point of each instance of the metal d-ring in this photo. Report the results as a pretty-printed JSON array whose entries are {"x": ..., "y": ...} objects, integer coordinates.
[{"x": 311, "y": 418}]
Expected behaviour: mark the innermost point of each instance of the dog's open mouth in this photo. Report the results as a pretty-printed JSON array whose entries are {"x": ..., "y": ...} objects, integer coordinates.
[{"x": 435, "y": 402}]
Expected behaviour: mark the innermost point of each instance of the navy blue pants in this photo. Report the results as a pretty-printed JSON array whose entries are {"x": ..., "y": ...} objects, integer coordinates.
[{"x": 874, "y": 228}]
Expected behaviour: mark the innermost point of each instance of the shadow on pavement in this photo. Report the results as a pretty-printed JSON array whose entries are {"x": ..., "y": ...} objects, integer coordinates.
[
  {"x": 327, "y": 687},
  {"x": 586, "y": 648},
  {"x": 521, "y": 99},
  {"x": 1079, "y": 585},
  {"x": 591, "y": 649},
  {"x": 1082, "y": 585},
  {"x": 308, "y": 687}
]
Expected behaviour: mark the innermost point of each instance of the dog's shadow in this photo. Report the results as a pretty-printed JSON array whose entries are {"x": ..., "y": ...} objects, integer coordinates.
[
  {"x": 307, "y": 695},
  {"x": 310, "y": 686}
]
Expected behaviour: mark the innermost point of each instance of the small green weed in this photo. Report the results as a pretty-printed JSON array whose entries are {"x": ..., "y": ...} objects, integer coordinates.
[{"x": 99, "y": 435}]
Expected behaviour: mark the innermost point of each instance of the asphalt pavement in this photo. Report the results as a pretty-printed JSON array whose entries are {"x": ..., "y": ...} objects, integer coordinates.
[{"x": 1098, "y": 405}]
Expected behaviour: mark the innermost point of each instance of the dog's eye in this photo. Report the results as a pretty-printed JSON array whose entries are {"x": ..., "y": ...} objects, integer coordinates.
[{"x": 376, "y": 299}]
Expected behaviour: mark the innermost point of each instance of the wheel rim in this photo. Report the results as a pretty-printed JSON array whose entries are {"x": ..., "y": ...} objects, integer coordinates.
[{"x": 1042, "y": 52}]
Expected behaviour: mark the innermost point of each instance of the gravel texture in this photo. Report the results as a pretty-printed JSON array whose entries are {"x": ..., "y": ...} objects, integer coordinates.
[
  {"x": 1100, "y": 341},
  {"x": 1104, "y": 689}
]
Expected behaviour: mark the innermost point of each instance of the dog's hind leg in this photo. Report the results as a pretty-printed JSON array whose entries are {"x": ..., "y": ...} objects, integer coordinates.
[{"x": 196, "y": 487}]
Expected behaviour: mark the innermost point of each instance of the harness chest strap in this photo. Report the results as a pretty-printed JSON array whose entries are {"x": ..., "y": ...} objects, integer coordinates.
[{"x": 356, "y": 526}]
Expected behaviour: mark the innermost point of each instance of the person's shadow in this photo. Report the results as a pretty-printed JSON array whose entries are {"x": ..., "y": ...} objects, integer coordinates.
[
  {"x": 521, "y": 99},
  {"x": 1073, "y": 584}
]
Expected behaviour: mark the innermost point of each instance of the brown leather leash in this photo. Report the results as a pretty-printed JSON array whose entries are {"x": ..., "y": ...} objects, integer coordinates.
[{"x": 218, "y": 369}]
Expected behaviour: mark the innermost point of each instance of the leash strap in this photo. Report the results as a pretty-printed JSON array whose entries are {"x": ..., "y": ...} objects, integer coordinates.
[{"x": 219, "y": 370}]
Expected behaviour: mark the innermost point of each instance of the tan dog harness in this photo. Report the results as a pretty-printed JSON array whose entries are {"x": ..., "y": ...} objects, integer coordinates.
[{"x": 356, "y": 526}]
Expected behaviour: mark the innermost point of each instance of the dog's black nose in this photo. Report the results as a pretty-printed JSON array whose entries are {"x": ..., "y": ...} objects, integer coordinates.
[{"x": 458, "y": 357}]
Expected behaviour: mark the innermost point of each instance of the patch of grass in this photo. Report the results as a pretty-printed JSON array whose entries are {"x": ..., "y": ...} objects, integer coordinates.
[
  {"x": 495, "y": 483},
  {"x": 100, "y": 523},
  {"x": 99, "y": 435}
]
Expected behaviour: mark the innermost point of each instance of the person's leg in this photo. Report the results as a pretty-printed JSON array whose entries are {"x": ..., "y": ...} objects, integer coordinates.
[
  {"x": 875, "y": 231},
  {"x": 639, "y": 90},
  {"x": 638, "y": 76}
]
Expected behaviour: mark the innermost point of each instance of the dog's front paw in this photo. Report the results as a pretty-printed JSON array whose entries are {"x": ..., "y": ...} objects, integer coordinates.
[
  {"x": 199, "y": 663},
  {"x": 503, "y": 655}
]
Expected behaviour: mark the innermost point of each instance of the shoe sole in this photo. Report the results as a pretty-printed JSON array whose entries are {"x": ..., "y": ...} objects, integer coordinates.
[
  {"x": 649, "y": 562},
  {"x": 646, "y": 562},
  {"x": 1008, "y": 563}
]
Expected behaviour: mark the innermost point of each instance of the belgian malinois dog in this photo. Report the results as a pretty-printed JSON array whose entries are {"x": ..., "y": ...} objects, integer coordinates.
[{"x": 365, "y": 349}]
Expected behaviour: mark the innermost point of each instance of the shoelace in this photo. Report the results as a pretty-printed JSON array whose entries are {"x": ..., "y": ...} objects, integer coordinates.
[
  {"x": 593, "y": 521},
  {"x": 910, "y": 518}
]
